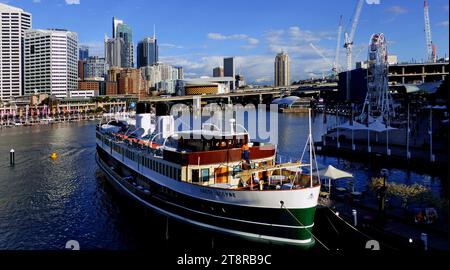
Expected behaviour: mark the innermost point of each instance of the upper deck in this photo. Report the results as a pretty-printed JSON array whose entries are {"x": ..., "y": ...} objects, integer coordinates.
[{"x": 197, "y": 147}]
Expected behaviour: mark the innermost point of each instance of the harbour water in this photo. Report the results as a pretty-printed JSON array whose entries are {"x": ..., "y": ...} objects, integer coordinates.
[{"x": 44, "y": 202}]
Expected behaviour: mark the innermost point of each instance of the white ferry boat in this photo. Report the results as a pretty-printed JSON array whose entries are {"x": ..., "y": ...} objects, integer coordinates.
[{"x": 208, "y": 182}]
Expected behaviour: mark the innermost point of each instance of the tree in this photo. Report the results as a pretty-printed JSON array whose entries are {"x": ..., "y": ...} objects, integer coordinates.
[{"x": 405, "y": 192}]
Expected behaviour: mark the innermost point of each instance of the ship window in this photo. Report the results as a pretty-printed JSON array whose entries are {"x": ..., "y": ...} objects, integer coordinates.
[
  {"x": 171, "y": 172},
  {"x": 236, "y": 170},
  {"x": 195, "y": 176},
  {"x": 205, "y": 175}
]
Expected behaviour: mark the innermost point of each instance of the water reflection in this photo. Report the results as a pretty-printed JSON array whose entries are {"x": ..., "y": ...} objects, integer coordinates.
[{"x": 44, "y": 202}]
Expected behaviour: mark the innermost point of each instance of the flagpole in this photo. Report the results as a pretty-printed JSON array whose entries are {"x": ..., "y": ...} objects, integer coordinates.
[
  {"x": 351, "y": 123},
  {"x": 408, "y": 154},
  {"x": 368, "y": 130},
  {"x": 337, "y": 126},
  {"x": 310, "y": 151},
  {"x": 431, "y": 135}
]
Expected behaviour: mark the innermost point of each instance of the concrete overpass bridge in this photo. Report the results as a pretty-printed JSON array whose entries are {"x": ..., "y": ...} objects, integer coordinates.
[{"x": 242, "y": 96}]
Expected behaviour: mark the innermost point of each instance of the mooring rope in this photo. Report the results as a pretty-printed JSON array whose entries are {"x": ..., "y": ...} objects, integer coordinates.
[{"x": 301, "y": 224}]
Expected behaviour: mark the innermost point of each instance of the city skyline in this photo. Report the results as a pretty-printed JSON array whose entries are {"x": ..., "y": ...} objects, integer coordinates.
[{"x": 256, "y": 39}]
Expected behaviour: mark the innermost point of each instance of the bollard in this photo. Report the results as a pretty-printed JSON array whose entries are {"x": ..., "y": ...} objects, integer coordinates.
[
  {"x": 355, "y": 217},
  {"x": 424, "y": 238},
  {"x": 11, "y": 157}
]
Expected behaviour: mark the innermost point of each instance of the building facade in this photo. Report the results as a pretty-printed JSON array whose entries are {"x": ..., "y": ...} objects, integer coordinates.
[
  {"x": 125, "y": 33},
  {"x": 147, "y": 52},
  {"x": 115, "y": 23},
  {"x": 130, "y": 82},
  {"x": 51, "y": 62},
  {"x": 113, "y": 48},
  {"x": 282, "y": 70},
  {"x": 218, "y": 72},
  {"x": 95, "y": 68},
  {"x": 81, "y": 69},
  {"x": 119, "y": 50},
  {"x": 180, "y": 72},
  {"x": 229, "y": 69},
  {"x": 83, "y": 52},
  {"x": 14, "y": 23}
]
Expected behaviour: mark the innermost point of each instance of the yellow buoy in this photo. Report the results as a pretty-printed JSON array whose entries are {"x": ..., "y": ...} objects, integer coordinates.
[{"x": 54, "y": 156}]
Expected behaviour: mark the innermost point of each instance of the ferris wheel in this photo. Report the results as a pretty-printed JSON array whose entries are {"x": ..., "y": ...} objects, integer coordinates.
[{"x": 378, "y": 101}]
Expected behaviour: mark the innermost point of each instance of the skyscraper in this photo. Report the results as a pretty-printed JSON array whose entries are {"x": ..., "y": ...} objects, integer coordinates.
[
  {"x": 147, "y": 52},
  {"x": 229, "y": 70},
  {"x": 218, "y": 72},
  {"x": 119, "y": 50},
  {"x": 180, "y": 72},
  {"x": 55, "y": 52},
  {"x": 115, "y": 23},
  {"x": 282, "y": 70},
  {"x": 125, "y": 33},
  {"x": 14, "y": 23},
  {"x": 83, "y": 52},
  {"x": 113, "y": 51}
]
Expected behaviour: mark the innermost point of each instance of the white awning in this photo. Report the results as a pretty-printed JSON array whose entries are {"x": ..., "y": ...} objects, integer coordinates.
[
  {"x": 378, "y": 126},
  {"x": 354, "y": 126},
  {"x": 333, "y": 173}
]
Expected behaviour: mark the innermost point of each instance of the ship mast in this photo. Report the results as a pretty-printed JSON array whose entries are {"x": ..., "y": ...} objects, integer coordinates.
[{"x": 310, "y": 149}]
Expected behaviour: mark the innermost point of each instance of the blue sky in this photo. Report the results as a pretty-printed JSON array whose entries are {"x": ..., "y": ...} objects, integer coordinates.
[{"x": 196, "y": 34}]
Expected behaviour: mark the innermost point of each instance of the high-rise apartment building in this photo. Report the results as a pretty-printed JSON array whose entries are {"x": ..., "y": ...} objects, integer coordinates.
[
  {"x": 14, "y": 23},
  {"x": 282, "y": 70},
  {"x": 147, "y": 52},
  {"x": 51, "y": 62}
]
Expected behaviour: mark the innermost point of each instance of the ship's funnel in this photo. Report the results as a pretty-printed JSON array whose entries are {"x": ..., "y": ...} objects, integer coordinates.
[{"x": 144, "y": 118}]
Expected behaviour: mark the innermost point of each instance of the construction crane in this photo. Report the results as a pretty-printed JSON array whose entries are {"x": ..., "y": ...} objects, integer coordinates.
[
  {"x": 336, "y": 67},
  {"x": 348, "y": 45},
  {"x": 431, "y": 48},
  {"x": 319, "y": 52}
]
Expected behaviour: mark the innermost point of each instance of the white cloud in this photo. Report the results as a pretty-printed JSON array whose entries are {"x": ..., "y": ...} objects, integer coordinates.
[
  {"x": 36, "y": 1},
  {"x": 72, "y": 2},
  {"x": 443, "y": 23},
  {"x": 251, "y": 42},
  {"x": 259, "y": 68},
  {"x": 397, "y": 10},
  {"x": 218, "y": 36},
  {"x": 169, "y": 46}
]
